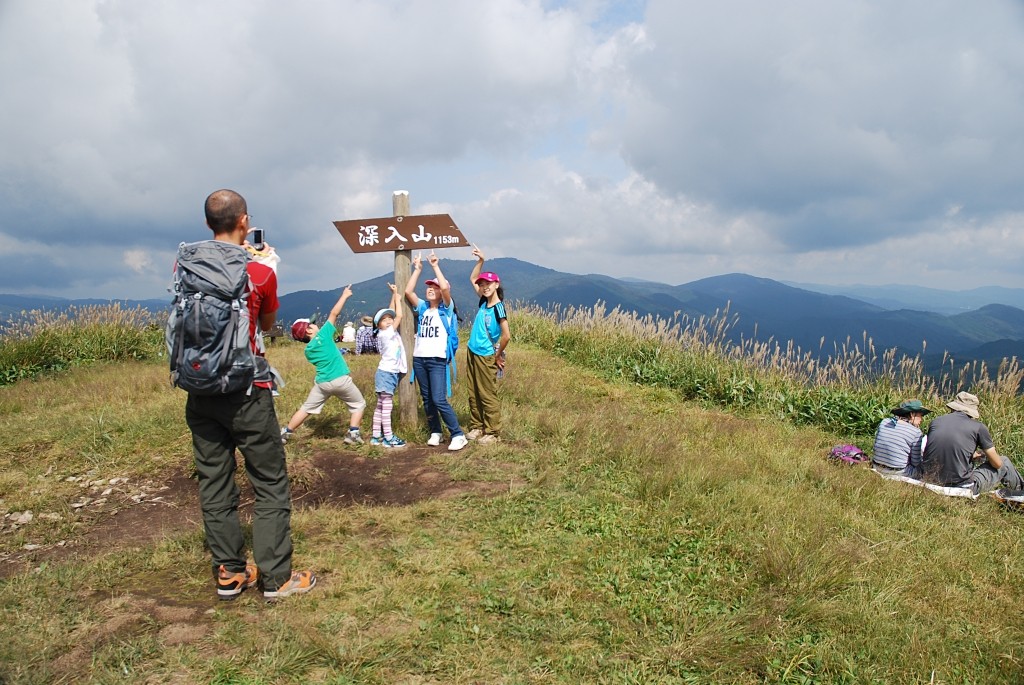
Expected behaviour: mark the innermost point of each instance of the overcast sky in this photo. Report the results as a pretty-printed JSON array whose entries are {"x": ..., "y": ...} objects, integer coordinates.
[{"x": 841, "y": 142}]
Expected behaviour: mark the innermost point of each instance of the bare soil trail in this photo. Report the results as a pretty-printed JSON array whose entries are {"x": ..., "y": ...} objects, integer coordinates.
[{"x": 135, "y": 514}]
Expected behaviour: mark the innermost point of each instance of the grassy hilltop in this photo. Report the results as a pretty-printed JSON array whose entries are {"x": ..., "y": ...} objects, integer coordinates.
[{"x": 659, "y": 511}]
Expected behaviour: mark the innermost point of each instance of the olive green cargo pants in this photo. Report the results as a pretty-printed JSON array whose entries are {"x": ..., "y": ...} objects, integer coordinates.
[
  {"x": 484, "y": 405},
  {"x": 248, "y": 423}
]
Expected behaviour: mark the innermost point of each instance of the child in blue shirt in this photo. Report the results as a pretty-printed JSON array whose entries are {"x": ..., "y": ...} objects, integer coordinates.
[
  {"x": 485, "y": 353},
  {"x": 332, "y": 373}
]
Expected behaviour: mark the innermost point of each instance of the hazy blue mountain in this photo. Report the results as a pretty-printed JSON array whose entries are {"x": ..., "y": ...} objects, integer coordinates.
[
  {"x": 11, "y": 306},
  {"x": 759, "y": 307},
  {"x": 813, "y": 320},
  {"x": 927, "y": 299},
  {"x": 991, "y": 321}
]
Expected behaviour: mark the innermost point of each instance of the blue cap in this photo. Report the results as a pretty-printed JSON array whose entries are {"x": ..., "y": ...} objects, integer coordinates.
[{"x": 381, "y": 314}]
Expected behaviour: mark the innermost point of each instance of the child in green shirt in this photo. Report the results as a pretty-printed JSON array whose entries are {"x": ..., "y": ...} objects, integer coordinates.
[{"x": 332, "y": 374}]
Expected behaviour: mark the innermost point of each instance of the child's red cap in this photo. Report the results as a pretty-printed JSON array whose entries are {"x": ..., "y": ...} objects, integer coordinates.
[{"x": 299, "y": 329}]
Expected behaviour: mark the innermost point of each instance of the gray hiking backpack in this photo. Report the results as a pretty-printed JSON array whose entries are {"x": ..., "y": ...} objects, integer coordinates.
[{"x": 207, "y": 330}]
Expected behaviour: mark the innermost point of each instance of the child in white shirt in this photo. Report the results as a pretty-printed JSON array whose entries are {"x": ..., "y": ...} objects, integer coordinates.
[{"x": 393, "y": 365}]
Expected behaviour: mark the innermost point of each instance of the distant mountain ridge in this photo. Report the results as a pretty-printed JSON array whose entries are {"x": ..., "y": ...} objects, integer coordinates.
[
  {"x": 926, "y": 299},
  {"x": 763, "y": 308},
  {"x": 11, "y": 306}
]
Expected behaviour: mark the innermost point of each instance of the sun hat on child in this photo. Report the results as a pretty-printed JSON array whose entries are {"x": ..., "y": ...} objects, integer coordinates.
[
  {"x": 299, "y": 329},
  {"x": 381, "y": 314},
  {"x": 488, "y": 276},
  {"x": 965, "y": 402}
]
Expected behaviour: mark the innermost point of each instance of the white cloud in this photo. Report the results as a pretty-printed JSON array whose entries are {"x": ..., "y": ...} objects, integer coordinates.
[
  {"x": 138, "y": 261},
  {"x": 623, "y": 138}
]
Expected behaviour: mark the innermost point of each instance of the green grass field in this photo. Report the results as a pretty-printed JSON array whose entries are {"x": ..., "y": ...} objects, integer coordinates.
[{"x": 648, "y": 533}]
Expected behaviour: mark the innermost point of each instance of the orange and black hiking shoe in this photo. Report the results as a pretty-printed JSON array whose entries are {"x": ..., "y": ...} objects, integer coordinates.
[
  {"x": 300, "y": 583},
  {"x": 231, "y": 584}
]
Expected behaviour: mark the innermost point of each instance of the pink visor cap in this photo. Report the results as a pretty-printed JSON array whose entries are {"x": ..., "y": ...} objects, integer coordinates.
[
  {"x": 433, "y": 282},
  {"x": 488, "y": 276}
]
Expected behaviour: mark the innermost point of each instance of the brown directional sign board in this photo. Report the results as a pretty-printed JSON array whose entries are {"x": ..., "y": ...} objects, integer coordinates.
[{"x": 424, "y": 232}]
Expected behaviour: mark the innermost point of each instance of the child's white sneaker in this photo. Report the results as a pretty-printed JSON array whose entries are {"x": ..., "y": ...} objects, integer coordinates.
[
  {"x": 434, "y": 440},
  {"x": 457, "y": 443}
]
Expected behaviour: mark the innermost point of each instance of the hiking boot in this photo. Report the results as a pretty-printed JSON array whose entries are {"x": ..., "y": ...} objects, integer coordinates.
[
  {"x": 434, "y": 440},
  {"x": 488, "y": 439},
  {"x": 231, "y": 584},
  {"x": 394, "y": 442},
  {"x": 300, "y": 583},
  {"x": 353, "y": 438},
  {"x": 376, "y": 440},
  {"x": 474, "y": 434},
  {"x": 286, "y": 433},
  {"x": 457, "y": 443}
]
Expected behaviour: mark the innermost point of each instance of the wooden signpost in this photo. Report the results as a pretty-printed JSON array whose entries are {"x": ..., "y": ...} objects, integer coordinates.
[{"x": 402, "y": 234}]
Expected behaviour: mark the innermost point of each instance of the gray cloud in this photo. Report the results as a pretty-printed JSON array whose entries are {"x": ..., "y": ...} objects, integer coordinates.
[{"x": 845, "y": 121}]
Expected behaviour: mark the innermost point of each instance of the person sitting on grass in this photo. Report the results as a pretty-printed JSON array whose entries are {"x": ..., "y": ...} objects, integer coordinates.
[
  {"x": 955, "y": 440},
  {"x": 332, "y": 374},
  {"x": 897, "y": 450},
  {"x": 393, "y": 365},
  {"x": 366, "y": 343}
]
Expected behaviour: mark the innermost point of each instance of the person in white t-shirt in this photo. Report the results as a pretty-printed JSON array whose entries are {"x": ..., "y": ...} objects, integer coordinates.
[
  {"x": 430, "y": 352},
  {"x": 390, "y": 370}
]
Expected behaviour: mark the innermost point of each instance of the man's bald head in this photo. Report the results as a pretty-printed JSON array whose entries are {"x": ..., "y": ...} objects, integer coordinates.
[{"x": 224, "y": 208}]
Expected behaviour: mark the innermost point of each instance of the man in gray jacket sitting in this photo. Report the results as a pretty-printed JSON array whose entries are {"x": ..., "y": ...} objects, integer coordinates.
[{"x": 955, "y": 441}]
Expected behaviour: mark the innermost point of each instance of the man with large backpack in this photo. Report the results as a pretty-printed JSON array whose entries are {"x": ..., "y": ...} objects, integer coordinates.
[{"x": 222, "y": 296}]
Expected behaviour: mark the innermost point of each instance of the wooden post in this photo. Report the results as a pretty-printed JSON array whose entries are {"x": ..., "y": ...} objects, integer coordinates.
[
  {"x": 394, "y": 234},
  {"x": 408, "y": 398}
]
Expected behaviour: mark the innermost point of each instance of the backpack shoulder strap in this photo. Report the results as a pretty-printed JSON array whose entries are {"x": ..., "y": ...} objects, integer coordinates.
[
  {"x": 449, "y": 321},
  {"x": 447, "y": 316}
]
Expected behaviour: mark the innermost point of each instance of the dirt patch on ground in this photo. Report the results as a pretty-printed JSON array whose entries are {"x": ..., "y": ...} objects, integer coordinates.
[
  {"x": 133, "y": 514},
  {"x": 398, "y": 478}
]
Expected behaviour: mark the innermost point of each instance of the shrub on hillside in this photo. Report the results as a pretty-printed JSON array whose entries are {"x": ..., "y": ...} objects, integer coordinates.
[
  {"x": 848, "y": 392},
  {"x": 44, "y": 341}
]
